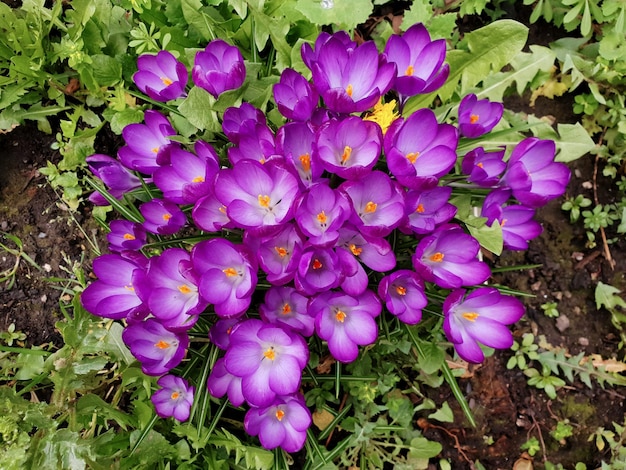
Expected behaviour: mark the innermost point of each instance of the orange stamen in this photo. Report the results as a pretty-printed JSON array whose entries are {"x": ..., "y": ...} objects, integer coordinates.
[
  {"x": 345, "y": 156},
  {"x": 370, "y": 207},
  {"x": 270, "y": 354},
  {"x": 129, "y": 236},
  {"x": 286, "y": 309},
  {"x": 230, "y": 272},
  {"x": 282, "y": 252},
  {"x": 321, "y": 217},
  {"x": 420, "y": 208},
  {"x": 401, "y": 290},
  {"x": 166, "y": 81},
  {"x": 198, "y": 179},
  {"x": 474, "y": 118},
  {"x": 409, "y": 71},
  {"x": 340, "y": 316},
  {"x": 471, "y": 316},
  {"x": 162, "y": 344},
  {"x": 349, "y": 90},
  {"x": 437, "y": 257},
  {"x": 184, "y": 289},
  {"x": 317, "y": 264},
  {"x": 412, "y": 157},
  {"x": 305, "y": 161},
  {"x": 167, "y": 216},
  {"x": 356, "y": 251},
  {"x": 280, "y": 414},
  {"x": 264, "y": 201},
  {"x": 174, "y": 395}
]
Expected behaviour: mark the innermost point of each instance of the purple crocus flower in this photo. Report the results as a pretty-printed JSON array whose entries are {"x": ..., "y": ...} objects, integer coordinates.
[
  {"x": 294, "y": 96},
  {"x": 479, "y": 317},
  {"x": 428, "y": 209},
  {"x": 294, "y": 141},
  {"x": 532, "y": 173},
  {"x": 350, "y": 80},
  {"x": 321, "y": 213},
  {"x": 375, "y": 252},
  {"x": 283, "y": 423},
  {"x": 161, "y": 76},
  {"x": 477, "y": 117},
  {"x": 228, "y": 275},
  {"x": 158, "y": 349},
  {"x": 518, "y": 225},
  {"x": 483, "y": 168},
  {"x": 221, "y": 382},
  {"x": 278, "y": 254},
  {"x": 403, "y": 294},
  {"x": 256, "y": 143},
  {"x": 238, "y": 120},
  {"x": 448, "y": 258},
  {"x": 219, "y": 334},
  {"x": 118, "y": 179},
  {"x": 346, "y": 322},
  {"x": 162, "y": 217},
  {"x": 287, "y": 307},
  {"x": 419, "y": 150},
  {"x": 268, "y": 358},
  {"x": 187, "y": 178},
  {"x": 377, "y": 203},
  {"x": 419, "y": 61},
  {"x": 257, "y": 196},
  {"x": 147, "y": 145},
  {"x": 209, "y": 214},
  {"x": 348, "y": 147},
  {"x": 319, "y": 269},
  {"x": 126, "y": 235},
  {"x": 174, "y": 398},
  {"x": 311, "y": 55},
  {"x": 170, "y": 288},
  {"x": 113, "y": 294},
  {"x": 219, "y": 68}
]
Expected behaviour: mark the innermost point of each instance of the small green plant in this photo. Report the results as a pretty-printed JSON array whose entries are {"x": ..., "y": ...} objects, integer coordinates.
[
  {"x": 574, "y": 206},
  {"x": 10, "y": 335},
  {"x": 562, "y": 431},
  {"x": 608, "y": 297},
  {"x": 550, "y": 309},
  {"x": 8, "y": 276},
  {"x": 532, "y": 446}
]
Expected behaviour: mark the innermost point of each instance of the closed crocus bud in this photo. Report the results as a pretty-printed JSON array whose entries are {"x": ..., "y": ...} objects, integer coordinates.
[
  {"x": 219, "y": 68},
  {"x": 118, "y": 179},
  {"x": 477, "y": 117},
  {"x": 294, "y": 96},
  {"x": 161, "y": 76}
]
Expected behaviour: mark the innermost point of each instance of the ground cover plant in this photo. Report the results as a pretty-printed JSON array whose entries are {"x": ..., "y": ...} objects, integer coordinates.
[{"x": 363, "y": 413}]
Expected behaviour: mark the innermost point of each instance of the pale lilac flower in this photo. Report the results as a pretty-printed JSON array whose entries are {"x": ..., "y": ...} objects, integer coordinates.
[
  {"x": 448, "y": 258},
  {"x": 346, "y": 322},
  {"x": 532, "y": 173},
  {"x": 219, "y": 333},
  {"x": 287, "y": 307},
  {"x": 319, "y": 269},
  {"x": 278, "y": 254},
  {"x": 147, "y": 145},
  {"x": 126, "y": 235},
  {"x": 157, "y": 349},
  {"x": 221, "y": 382},
  {"x": 483, "y": 168},
  {"x": 348, "y": 147},
  {"x": 516, "y": 221},
  {"x": 238, "y": 121},
  {"x": 403, "y": 294},
  {"x": 161, "y": 76},
  {"x": 355, "y": 278},
  {"x": 162, "y": 217},
  {"x": 477, "y": 117},
  {"x": 419, "y": 150},
  {"x": 377, "y": 203},
  {"x": 118, "y": 179},
  {"x": 425, "y": 210},
  {"x": 294, "y": 96},
  {"x": 219, "y": 68},
  {"x": 294, "y": 141},
  {"x": 228, "y": 275},
  {"x": 419, "y": 61},
  {"x": 268, "y": 358},
  {"x": 479, "y": 317},
  {"x": 174, "y": 399},
  {"x": 283, "y": 423}
]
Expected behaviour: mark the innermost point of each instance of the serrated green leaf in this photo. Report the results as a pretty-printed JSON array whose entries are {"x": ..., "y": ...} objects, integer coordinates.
[
  {"x": 572, "y": 142},
  {"x": 606, "y": 296},
  {"x": 345, "y": 14},
  {"x": 489, "y": 237},
  {"x": 432, "y": 358},
  {"x": 107, "y": 70},
  {"x": 420, "y": 12}
]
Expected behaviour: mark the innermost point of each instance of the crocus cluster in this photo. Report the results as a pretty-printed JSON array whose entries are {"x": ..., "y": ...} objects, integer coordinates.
[{"x": 311, "y": 209}]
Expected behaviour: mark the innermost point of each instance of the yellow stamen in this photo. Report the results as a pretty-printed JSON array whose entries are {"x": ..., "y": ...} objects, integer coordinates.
[
  {"x": 412, "y": 157},
  {"x": 474, "y": 118},
  {"x": 437, "y": 257},
  {"x": 166, "y": 81},
  {"x": 162, "y": 344},
  {"x": 317, "y": 264},
  {"x": 409, "y": 71},
  {"x": 129, "y": 236},
  {"x": 130, "y": 288},
  {"x": 479, "y": 165},
  {"x": 340, "y": 316},
  {"x": 383, "y": 114},
  {"x": 270, "y": 354},
  {"x": 184, "y": 289},
  {"x": 280, "y": 414},
  {"x": 370, "y": 207},
  {"x": 503, "y": 222},
  {"x": 356, "y": 251},
  {"x": 155, "y": 149},
  {"x": 286, "y": 309},
  {"x": 230, "y": 272},
  {"x": 349, "y": 90},
  {"x": 174, "y": 395},
  {"x": 321, "y": 217},
  {"x": 222, "y": 209},
  {"x": 345, "y": 156},
  {"x": 471, "y": 316},
  {"x": 305, "y": 161},
  {"x": 401, "y": 290},
  {"x": 264, "y": 201},
  {"x": 420, "y": 208},
  {"x": 167, "y": 216},
  {"x": 198, "y": 179},
  {"x": 282, "y": 252}
]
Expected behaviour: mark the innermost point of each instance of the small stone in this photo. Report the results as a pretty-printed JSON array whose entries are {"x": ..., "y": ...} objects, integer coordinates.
[
  {"x": 587, "y": 185},
  {"x": 562, "y": 323},
  {"x": 47, "y": 268},
  {"x": 42, "y": 235},
  {"x": 583, "y": 341},
  {"x": 43, "y": 298}
]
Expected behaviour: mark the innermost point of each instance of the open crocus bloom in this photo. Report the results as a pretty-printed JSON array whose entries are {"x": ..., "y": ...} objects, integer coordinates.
[{"x": 161, "y": 76}]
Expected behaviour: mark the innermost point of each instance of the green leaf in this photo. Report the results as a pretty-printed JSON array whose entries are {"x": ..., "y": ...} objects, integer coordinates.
[
  {"x": 197, "y": 108},
  {"x": 107, "y": 70},
  {"x": 606, "y": 296},
  {"x": 572, "y": 142},
  {"x": 489, "y": 237},
  {"x": 345, "y": 14},
  {"x": 431, "y": 358},
  {"x": 422, "y": 448},
  {"x": 91, "y": 404},
  {"x": 443, "y": 414}
]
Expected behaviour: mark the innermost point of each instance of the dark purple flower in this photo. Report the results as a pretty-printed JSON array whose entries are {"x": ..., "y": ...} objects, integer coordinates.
[
  {"x": 170, "y": 288},
  {"x": 287, "y": 307},
  {"x": 346, "y": 322},
  {"x": 174, "y": 399},
  {"x": 518, "y": 225},
  {"x": 162, "y": 217},
  {"x": 268, "y": 358},
  {"x": 221, "y": 382},
  {"x": 294, "y": 96},
  {"x": 294, "y": 141},
  {"x": 278, "y": 254},
  {"x": 118, "y": 179},
  {"x": 310, "y": 55},
  {"x": 161, "y": 76},
  {"x": 532, "y": 173},
  {"x": 477, "y": 117},
  {"x": 403, "y": 294},
  {"x": 126, "y": 235},
  {"x": 425, "y": 210},
  {"x": 350, "y": 80},
  {"x": 283, "y": 423},
  {"x": 147, "y": 145},
  {"x": 483, "y": 168},
  {"x": 377, "y": 203},
  {"x": 319, "y": 269},
  {"x": 479, "y": 317},
  {"x": 239, "y": 120},
  {"x": 158, "y": 349},
  {"x": 113, "y": 294},
  {"x": 228, "y": 275},
  {"x": 448, "y": 258},
  {"x": 419, "y": 61},
  {"x": 348, "y": 147},
  {"x": 419, "y": 150},
  {"x": 256, "y": 143},
  {"x": 219, "y": 334},
  {"x": 219, "y": 68}
]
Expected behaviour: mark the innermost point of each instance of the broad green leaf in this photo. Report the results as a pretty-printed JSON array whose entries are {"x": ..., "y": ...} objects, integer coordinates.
[
  {"x": 489, "y": 237},
  {"x": 432, "y": 358},
  {"x": 606, "y": 296},
  {"x": 443, "y": 414},
  {"x": 420, "y": 12},
  {"x": 115, "y": 345},
  {"x": 89, "y": 404},
  {"x": 573, "y": 142},
  {"x": 107, "y": 70},
  {"x": 345, "y": 14},
  {"x": 422, "y": 448},
  {"x": 197, "y": 108}
]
